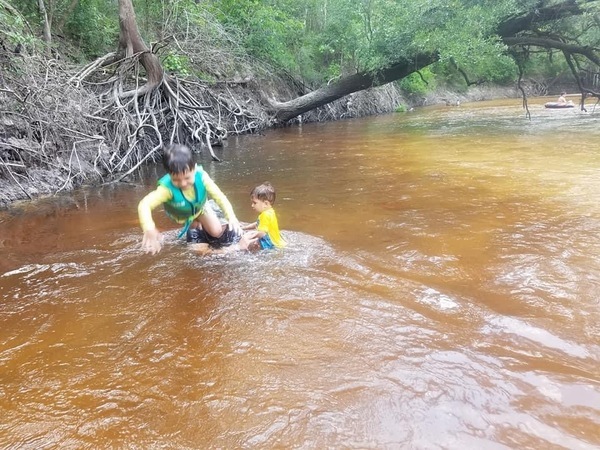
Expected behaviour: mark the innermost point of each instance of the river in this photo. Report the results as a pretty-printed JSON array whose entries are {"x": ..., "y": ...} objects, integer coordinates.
[{"x": 440, "y": 291}]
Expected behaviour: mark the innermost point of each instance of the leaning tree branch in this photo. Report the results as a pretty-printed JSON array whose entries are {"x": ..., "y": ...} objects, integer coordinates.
[
  {"x": 568, "y": 51},
  {"x": 518, "y": 59},
  {"x": 589, "y": 52},
  {"x": 284, "y": 111},
  {"x": 465, "y": 76},
  {"x": 509, "y": 28},
  {"x": 518, "y": 23}
]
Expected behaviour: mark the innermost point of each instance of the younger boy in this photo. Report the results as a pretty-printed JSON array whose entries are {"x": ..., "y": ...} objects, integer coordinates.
[
  {"x": 267, "y": 228},
  {"x": 184, "y": 191}
]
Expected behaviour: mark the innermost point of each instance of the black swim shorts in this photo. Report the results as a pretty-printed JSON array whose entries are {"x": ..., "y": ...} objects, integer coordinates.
[{"x": 199, "y": 236}]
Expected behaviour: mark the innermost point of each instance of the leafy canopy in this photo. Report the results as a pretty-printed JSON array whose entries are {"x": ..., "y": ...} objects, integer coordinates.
[{"x": 316, "y": 40}]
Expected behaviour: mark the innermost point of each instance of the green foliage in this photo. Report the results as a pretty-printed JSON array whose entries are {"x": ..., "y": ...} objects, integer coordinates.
[
  {"x": 273, "y": 36},
  {"x": 480, "y": 60},
  {"x": 337, "y": 38},
  {"x": 15, "y": 29},
  {"x": 268, "y": 32},
  {"x": 176, "y": 64},
  {"x": 545, "y": 65},
  {"x": 419, "y": 83},
  {"x": 315, "y": 40},
  {"x": 94, "y": 27}
]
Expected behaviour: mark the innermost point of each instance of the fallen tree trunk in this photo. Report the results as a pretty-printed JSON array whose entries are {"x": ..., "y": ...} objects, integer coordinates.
[{"x": 288, "y": 110}]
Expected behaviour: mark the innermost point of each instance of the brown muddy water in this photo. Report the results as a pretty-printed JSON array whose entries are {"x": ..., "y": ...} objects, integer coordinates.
[{"x": 440, "y": 291}]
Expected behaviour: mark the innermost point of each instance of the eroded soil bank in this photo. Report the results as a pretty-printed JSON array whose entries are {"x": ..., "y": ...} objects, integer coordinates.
[{"x": 55, "y": 136}]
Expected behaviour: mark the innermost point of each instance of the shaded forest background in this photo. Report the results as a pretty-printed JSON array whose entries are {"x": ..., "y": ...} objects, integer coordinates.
[{"x": 91, "y": 89}]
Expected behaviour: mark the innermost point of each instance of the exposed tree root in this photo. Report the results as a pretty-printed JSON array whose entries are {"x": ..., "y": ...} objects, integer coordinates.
[
  {"x": 138, "y": 117},
  {"x": 43, "y": 129},
  {"x": 106, "y": 122}
]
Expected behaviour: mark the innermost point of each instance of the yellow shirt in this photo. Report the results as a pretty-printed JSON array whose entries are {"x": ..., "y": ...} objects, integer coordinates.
[
  {"x": 267, "y": 223},
  {"x": 161, "y": 195}
]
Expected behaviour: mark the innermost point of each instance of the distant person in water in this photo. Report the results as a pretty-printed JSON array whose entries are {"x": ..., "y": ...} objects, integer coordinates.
[
  {"x": 184, "y": 192},
  {"x": 266, "y": 228},
  {"x": 563, "y": 99}
]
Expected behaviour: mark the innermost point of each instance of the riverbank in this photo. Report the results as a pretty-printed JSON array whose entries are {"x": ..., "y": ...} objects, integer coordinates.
[{"x": 53, "y": 138}]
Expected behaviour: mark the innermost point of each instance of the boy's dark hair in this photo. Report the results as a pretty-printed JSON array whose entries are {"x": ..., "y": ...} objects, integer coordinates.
[
  {"x": 178, "y": 158},
  {"x": 264, "y": 192}
]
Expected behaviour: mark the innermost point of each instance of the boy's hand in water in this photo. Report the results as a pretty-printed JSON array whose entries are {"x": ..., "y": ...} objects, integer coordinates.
[
  {"x": 249, "y": 239},
  {"x": 152, "y": 241},
  {"x": 234, "y": 225}
]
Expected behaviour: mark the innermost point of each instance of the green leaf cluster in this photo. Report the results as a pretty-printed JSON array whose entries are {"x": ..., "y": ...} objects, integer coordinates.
[
  {"x": 419, "y": 83},
  {"x": 314, "y": 40},
  {"x": 176, "y": 64}
]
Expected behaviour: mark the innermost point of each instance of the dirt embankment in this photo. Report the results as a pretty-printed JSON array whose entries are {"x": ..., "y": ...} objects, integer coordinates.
[{"x": 55, "y": 135}]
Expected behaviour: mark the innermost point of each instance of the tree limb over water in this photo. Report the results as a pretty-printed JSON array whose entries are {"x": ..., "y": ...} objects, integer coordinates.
[
  {"x": 348, "y": 85},
  {"x": 512, "y": 30}
]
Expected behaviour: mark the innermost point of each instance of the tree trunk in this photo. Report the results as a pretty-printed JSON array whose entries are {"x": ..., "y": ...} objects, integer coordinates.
[
  {"x": 348, "y": 85},
  {"x": 131, "y": 42},
  {"x": 47, "y": 35}
]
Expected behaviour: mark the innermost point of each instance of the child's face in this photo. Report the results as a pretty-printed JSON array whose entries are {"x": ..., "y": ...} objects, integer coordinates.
[
  {"x": 259, "y": 205},
  {"x": 183, "y": 180}
]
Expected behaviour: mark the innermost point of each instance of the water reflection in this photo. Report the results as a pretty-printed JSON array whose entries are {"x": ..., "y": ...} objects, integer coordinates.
[{"x": 439, "y": 291}]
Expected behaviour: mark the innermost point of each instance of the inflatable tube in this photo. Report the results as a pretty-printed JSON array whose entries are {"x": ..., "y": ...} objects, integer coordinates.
[{"x": 559, "y": 105}]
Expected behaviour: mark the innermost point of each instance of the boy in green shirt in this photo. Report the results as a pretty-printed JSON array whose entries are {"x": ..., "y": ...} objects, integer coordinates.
[{"x": 184, "y": 192}]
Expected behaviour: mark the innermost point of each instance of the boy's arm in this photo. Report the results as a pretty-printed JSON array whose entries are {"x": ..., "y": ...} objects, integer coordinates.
[
  {"x": 250, "y": 226},
  {"x": 155, "y": 198},
  {"x": 152, "y": 240},
  {"x": 262, "y": 225},
  {"x": 215, "y": 193}
]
